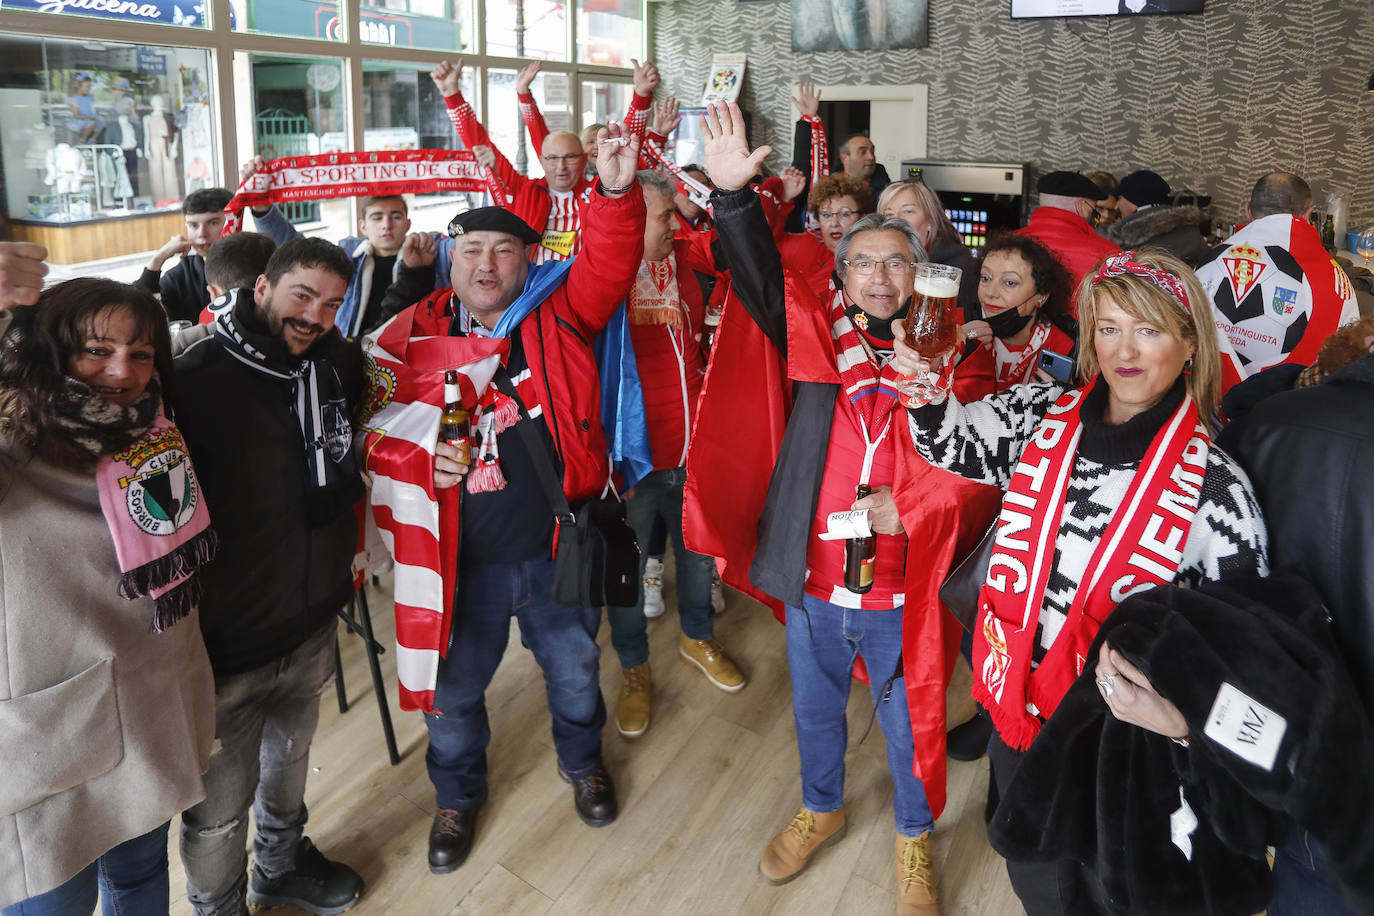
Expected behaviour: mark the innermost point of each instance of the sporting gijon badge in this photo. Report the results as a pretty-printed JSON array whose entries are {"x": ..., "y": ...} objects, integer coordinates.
[{"x": 161, "y": 494}]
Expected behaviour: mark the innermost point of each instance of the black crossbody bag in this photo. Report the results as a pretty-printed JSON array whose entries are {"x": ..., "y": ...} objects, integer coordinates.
[
  {"x": 598, "y": 557},
  {"x": 959, "y": 591}
]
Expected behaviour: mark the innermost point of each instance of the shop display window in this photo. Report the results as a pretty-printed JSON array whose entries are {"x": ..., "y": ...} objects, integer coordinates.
[
  {"x": 603, "y": 100},
  {"x": 528, "y": 29},
  {"x": 445, "y": 25},
  {"x": 609, "y": 32},
  {"x": 92, "y": 129}
]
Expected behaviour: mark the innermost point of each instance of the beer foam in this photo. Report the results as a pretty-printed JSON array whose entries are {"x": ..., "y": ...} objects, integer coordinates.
[{"x": 937, "y": 287}]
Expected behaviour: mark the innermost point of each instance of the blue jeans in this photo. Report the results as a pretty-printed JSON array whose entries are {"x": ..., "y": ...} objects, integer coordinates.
[
  {"x": 821, "y": 660},
  {"x": 264, "y": 722},
  {"x": 563, "y": 640},
  {"x": 659, "y": 496},
  {"x": 1303, "y": 884},
  {"x": 130, "y": 880}
]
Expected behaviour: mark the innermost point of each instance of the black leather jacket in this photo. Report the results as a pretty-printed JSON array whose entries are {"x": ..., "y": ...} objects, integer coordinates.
[{"x": 1310, "y": 454}]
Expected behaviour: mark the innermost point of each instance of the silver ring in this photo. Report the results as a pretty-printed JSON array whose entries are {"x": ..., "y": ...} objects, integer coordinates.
[
  {"x": 1108, "y": 684},
  {"x": 970, "y": 334}
]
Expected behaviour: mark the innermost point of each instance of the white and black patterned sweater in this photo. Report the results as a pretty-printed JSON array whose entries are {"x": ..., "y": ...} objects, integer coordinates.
[{"x": 983, "y": 441}]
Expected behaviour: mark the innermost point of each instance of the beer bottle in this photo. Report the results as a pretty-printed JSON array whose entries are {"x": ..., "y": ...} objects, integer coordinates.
[
  {"x": 1329, "y": 233},
  {"x": 860, "y": 555},
  {"x": 453, "y": 424},
  {"x": 710, "y": 325}
]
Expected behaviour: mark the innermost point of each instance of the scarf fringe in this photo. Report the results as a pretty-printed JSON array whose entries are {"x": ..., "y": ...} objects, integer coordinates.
[
  {"x": 176, "y": 604},
  {"x": 486, "y": 477},
  {"x": 506, "y": 414},
  {"x": 1018, "y": 731},
  {"x": 169, "y": 568},
  {"x": 669, "y": 315}
]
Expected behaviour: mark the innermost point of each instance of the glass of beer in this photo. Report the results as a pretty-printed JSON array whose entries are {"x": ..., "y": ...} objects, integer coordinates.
[{"x": 932, "y": 327}]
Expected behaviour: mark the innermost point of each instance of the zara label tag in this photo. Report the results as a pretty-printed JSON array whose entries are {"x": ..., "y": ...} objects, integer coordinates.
[{"x": 1245, "y": 727}]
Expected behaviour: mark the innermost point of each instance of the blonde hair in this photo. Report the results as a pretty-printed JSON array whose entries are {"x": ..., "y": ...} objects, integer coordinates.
[
  {"x": 938, "y": 224},
  {"x": 1144, "y": 301}
]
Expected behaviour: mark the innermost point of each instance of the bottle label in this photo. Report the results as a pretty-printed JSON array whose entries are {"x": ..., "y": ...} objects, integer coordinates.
[{"x": 866, "y": 570}]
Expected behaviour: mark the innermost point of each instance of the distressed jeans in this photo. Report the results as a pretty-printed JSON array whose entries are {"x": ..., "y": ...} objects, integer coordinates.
[
  {"x": 658, "y": 498},
  {"x": 130, "y": 880},
  {"x": 264, "y": 722}
]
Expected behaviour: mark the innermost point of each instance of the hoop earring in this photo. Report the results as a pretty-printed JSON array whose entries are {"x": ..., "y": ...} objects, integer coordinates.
[{"x": 1188, "y": 366}]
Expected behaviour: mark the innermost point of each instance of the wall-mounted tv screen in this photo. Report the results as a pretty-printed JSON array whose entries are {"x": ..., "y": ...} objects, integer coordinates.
[{"x": 1036, "y": 9}]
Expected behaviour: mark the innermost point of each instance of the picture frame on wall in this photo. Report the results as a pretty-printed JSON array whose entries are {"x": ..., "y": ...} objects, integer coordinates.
[{"x": 859, "y": 25}]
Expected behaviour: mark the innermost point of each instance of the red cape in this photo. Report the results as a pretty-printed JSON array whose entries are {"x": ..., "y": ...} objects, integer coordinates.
[{"x": 745, "y": 404}]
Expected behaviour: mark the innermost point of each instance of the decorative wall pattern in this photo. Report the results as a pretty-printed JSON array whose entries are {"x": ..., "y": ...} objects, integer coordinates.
[{"x": 1209, "y": 101}]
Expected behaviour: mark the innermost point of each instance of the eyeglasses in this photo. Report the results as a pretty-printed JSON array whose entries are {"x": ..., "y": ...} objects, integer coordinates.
[
  {"x": 569, "y": 159},
  {"x": 866, "y": 266},
  {"x": 842, "y": 215}
]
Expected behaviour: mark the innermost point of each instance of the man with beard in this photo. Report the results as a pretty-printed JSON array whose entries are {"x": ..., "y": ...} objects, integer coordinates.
[{"x": 265, "y": 405}]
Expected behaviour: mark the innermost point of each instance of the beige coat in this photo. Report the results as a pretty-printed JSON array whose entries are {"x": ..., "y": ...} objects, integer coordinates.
[{"x": 105, "y": 726}]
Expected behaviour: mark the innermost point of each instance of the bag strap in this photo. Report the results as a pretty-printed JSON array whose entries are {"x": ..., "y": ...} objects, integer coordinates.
[{"x": 548, "y": 476}]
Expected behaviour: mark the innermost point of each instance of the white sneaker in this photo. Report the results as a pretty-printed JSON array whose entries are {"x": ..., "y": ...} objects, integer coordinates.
[
  {"x": 653, "y": 587},
  {"x": 717, "y": 594}
]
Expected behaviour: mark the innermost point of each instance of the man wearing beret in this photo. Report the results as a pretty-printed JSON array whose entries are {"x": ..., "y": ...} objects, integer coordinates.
[
  {"x": 454, "y": 604},
  {"x": 1149, "y": 220},
  {"x": 1063, "y": 222}
]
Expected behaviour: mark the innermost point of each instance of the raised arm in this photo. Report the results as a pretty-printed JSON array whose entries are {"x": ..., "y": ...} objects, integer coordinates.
[
  {"x": 612, "y": 234},
  {"x": 529, "y": 108},
  {"x": 646, "y": 80},
  {"x": 448, "y": 79},
  {"x": 810, "y": 153},
  {"x": 745, "y": 237}
]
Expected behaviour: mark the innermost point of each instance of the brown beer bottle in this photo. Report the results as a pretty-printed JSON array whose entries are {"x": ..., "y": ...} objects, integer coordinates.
[
  {"x": 453, "y": 424},
  {"x": 860, "y": 555}
]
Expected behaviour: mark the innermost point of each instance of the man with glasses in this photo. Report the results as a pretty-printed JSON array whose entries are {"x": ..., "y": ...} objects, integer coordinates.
[
  {"x": 1064, "y": 221},
  {"x": 551, "y": 205},
  {"x": 841, "y": 437}
]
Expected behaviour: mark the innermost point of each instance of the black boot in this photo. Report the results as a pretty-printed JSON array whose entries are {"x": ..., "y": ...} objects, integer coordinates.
[
  {"x": 314, "y": 883},
  {"x": 970, "y": 740},
  {"x": 451, "y": 835},
  {"x": 593, "y": 797}
]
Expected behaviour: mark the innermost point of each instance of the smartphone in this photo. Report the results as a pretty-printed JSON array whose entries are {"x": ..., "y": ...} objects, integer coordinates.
[{"x": 1056, "y": 365}]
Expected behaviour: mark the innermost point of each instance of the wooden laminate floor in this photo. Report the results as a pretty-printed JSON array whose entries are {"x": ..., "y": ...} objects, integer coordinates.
[{"x": 701, "y": 793}]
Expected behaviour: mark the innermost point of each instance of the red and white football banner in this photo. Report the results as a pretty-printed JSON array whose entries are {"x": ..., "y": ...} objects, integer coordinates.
[{"x": 333, "y": 175}]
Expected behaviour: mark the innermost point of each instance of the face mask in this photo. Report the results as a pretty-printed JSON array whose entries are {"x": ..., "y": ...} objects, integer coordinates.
[
  {"x": 877, "y": 328},
  {"x": 1007, "y": 323}
]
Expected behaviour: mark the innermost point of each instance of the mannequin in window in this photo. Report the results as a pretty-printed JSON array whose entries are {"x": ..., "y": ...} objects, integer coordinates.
[
  {"x": 84, "y": 123},
  {"x": 126, "y": 131},
  {"x": 160, "y": 143}
]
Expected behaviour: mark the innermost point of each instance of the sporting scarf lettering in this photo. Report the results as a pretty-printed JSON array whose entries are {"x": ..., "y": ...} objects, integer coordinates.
[
  {"x": 1142, "y": 548},
  {"x": 333, "y": 175}
]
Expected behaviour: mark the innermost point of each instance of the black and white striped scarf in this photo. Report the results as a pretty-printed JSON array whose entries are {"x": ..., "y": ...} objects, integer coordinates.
[{"x": 318, "y": 397}]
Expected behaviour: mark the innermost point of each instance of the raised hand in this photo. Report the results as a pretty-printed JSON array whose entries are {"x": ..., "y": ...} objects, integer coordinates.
[
  {"x": 727, "y": 157},
  {"x": 646, "y": 77},
  {"x": 617, "y": 156},
  {"x": 666, "y": 117},
  {"x": 251, "y": 168},
  {"x": 485, "y": 155},
  {"x": 793, "y": 182},
  {"x": 810, "y": 99},
  {"x": 525, "y": 77},
  {"x": 419, "y": 250},
  {"x": 21, "y": 273},
  {"x": 448, "y": 77}
]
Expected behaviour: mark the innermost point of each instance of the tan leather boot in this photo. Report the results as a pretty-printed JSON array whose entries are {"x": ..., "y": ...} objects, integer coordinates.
[
  {"x": 916, "y": 894},
  {"x": 791, "y": 850},
  {"x": 632, "y": 709},
  {"x": 707, "y": 656}
]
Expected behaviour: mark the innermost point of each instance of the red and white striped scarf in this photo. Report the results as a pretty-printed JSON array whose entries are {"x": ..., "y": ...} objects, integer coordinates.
[
  {"x": 1141, "y": 548},
  {"x": 1018, "y": 368},
  {"x": 872, "y": 390},
  {"x": 419, "y": 524}
]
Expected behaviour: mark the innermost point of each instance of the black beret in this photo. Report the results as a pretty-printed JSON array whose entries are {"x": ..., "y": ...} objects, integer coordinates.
[
  {"x": 493, "y": 219},
  {"x": 1144, "y": 188},
  {"x": 1069, "y": 184}
]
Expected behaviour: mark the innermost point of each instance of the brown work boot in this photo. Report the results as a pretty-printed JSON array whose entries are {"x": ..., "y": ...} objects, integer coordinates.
[
  {"x": 632, "y": 709},
  {"x": 916, "y": 877},
  {"x": 710, "y": 658},
  {"x": 790, "y": 851}
]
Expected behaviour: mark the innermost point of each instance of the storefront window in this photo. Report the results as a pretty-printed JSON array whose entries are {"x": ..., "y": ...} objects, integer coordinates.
[
  {"x": 505, "y": 125},
  {"x": 298, "y": 109},
  {"x": 602, "y": 101},
  {"x": 445, "y": 25},
  {"x": 97, "y": 129},
  {"x": 527, "y": 28},
  {"x": 292, "y": 18},
  {"x": 609, "y": 32}
]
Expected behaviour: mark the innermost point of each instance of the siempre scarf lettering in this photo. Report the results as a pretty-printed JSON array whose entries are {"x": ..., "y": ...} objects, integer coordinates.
[
  {"x": 156, "y": 514},
  {"x": 317, "y": 397},
  {"x": 335, "y": 175},
  {"x": 1142, "y": 548}
]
